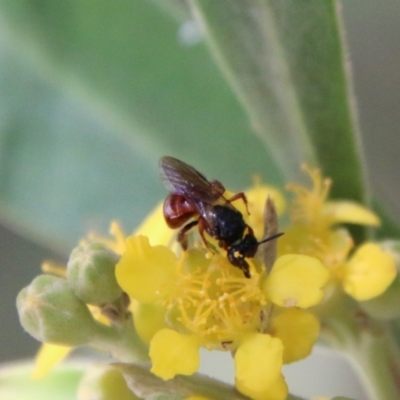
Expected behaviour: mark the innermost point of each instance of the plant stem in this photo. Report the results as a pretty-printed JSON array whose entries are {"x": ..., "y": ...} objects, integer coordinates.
[
  {"x": 369, "y": 342},
  {"x": 378, "y": 358},
  {"x": 122, "y": 342},
  {"x": 144, "y": 384}
]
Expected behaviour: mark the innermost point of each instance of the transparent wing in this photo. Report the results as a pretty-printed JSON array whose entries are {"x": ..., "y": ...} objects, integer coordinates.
[{"x": 181, "y": 178}]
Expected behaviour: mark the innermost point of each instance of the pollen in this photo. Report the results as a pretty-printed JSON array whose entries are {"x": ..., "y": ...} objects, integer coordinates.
[{"x": 217, "y": 303}]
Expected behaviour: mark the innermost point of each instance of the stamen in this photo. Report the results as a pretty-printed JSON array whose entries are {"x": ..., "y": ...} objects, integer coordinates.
[
  {"x": 308, "y": 203},
  {"x": 216, "y": 302}
]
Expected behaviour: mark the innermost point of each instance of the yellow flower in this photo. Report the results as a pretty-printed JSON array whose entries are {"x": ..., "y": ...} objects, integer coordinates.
[
  {"x": 186, "y": 300},
  {"x": 203, "y": 301},
  {"x": 314, "y": 231}
]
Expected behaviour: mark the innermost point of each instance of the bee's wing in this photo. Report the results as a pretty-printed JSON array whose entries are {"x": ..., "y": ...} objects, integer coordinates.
[{"x": 181, "y": 178}]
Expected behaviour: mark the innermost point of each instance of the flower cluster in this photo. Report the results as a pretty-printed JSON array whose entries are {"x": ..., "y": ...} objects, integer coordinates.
[
  {"x": 197, "y": 301},
  {"x": 363, "y": 274},
  {"x": 182, "y": 301}
]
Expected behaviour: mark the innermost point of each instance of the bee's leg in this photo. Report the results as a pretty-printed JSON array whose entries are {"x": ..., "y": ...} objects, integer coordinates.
[
  {"x": 203, "y": 228},
  {"x": 182, "y": 237},
  {"x": 250, "y": 230},
  {"x": 242, "y": 196},
  {"x": 223, "y": 245}
]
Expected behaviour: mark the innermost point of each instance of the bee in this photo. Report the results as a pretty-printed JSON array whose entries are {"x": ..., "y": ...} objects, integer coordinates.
[{"x": 196, "y": 201}]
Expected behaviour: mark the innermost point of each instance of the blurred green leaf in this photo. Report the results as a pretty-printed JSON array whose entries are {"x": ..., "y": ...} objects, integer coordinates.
[
  {"x": 92, "y": 93},
  {"x": 285, "y": 61},
  {"x": 61, "y": 383}
]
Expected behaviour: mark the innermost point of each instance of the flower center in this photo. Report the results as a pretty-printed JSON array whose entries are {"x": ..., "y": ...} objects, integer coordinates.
[{"x": 216, "y": 302}]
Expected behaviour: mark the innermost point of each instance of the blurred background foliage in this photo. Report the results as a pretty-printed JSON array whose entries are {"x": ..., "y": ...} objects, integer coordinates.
[{"x": 92, "y": 93}]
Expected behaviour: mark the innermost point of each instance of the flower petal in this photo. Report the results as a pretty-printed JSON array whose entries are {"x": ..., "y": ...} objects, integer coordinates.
[
  {"x": 256, "y": 197},
  {"x": 173, "y": 353},
  {"x": 144, "y": 271},
  {"x": 48, "y": 356},
  {"x": 195, "y": 397},
  {"x": 298, "y": 330},
  {"x": 258, "y": 362},
  {"x": 369, "y": 272},
  {"x": 296, "y": 281},
  {"x": 349, "y": 212},
  {"x": 149, "y": 318},
  {"x": 155, "y": 228}
]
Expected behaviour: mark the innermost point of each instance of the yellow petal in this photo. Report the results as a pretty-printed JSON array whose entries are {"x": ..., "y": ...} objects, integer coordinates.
[
  {"x": 276, "y": 391},
  {"x": 155, "y": 227},
  {"x": 349, "y": 212},
  {"x": 197, "y": 398},
  {"x": 48, "y": 356},
  {"x": 298, "y": 330},
  {"x": 369, "y": 272},
  {"x": 145, "y": 272},
  {"x": 148, "y": 319},
  {"x": 173, "y": 353},
  {"x": 296, "y": 281},
  {"x": 258, "y": 363},
  {"x": 258, "y": 194}
]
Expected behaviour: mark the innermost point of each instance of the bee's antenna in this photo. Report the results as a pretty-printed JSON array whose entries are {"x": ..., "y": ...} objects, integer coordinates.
[{"x": 271, "y": 237}]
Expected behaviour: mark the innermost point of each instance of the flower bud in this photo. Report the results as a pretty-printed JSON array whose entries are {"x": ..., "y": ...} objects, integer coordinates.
[
  {"x": 91, "y": 274},
  {"x": 50, "y": 312}
]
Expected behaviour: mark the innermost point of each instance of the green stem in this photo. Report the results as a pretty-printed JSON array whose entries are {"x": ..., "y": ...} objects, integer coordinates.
[
  {"x": 122, "y": 342},
  {"x": 143, "y": 383},
  {"x": 378, "y": 356},
  {"x": 368, "y": 341}
]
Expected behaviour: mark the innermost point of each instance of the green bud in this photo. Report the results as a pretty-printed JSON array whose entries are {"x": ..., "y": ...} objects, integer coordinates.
[
  {"x": 91, "y": 274},
  {"x": 50, "y": 312},
  {"x": 104, "y": 382}
]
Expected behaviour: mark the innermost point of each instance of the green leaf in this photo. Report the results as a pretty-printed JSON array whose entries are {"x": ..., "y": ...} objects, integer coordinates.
[
  {"x": 285, "y": 61},
  {"x": 60, "y": 384},
  {"x": 389, "y": 229},
  {"x": 92, "y": 93}
]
